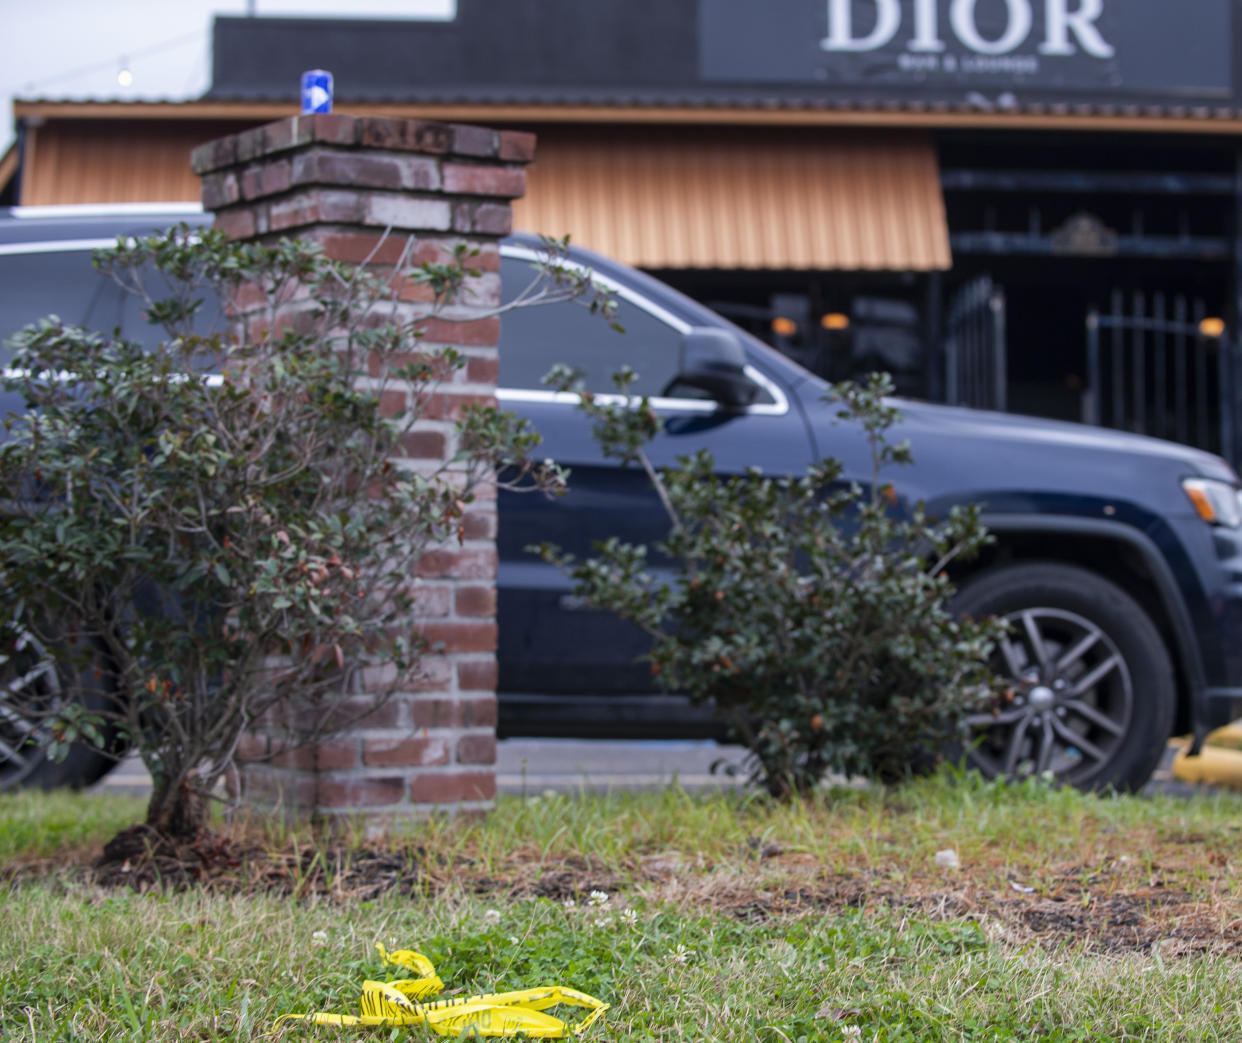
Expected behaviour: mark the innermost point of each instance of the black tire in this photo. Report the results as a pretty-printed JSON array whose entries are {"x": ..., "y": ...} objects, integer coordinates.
[
  {"x": 1092, "y": 696},
  {"x": 31, "y": 686}
]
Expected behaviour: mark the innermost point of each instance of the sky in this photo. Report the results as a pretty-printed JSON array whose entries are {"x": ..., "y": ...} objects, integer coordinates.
[{"x": 60, "y": 49}]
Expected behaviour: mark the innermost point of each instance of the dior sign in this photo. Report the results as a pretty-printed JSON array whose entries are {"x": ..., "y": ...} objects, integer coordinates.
[
  {"x": 1179, "y": 48},
  {"x": 1068, "y": 25}
]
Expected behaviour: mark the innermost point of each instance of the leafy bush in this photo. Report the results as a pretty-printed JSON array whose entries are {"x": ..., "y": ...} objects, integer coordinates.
[
  {"x": 813, "y": 611},
  {"x": 221, "y": 525}
]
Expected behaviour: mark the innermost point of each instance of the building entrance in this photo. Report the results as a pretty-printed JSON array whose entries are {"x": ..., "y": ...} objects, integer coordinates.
[
  {"x": 1109, "y": 252},
  {"x": 1106, "y": 341},
  {"x": 1160, "y": 365},
  {"x": 975, "y": 350}
]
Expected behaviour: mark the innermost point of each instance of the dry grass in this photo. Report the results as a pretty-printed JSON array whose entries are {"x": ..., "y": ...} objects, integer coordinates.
[{"x": 1068, "y": 917}]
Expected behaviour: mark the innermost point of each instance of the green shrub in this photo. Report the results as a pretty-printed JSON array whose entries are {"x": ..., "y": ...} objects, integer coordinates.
[
  {"x": 814, "y": 612},
  {"x": 224, "y": 521}
]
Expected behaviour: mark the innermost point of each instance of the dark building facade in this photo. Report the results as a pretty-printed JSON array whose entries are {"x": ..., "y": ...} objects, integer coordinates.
[{"x": 1022, "y": 204}]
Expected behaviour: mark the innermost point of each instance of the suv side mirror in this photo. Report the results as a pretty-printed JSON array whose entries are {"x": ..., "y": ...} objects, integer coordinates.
[{"x": 714, "y": 361}]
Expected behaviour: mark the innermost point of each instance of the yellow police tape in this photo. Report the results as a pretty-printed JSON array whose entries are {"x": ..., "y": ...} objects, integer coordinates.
[{"x": 518, "y": 1013}]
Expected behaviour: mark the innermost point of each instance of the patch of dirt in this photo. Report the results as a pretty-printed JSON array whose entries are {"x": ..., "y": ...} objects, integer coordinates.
[
  {"x": 570, "y": 881},
  {"x": 1079, "y": 905},
  {"x": 142, "y": 860},
  {"x": 1190, "y": 904}
]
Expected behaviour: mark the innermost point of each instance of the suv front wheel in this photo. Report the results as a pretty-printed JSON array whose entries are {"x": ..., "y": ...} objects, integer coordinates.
[
  {"x": 1091, "y": 694},
  {"x": 31, "y": 694}
]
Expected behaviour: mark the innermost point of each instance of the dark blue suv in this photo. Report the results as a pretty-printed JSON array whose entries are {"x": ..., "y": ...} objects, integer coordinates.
[{"x": 1117, "y": 561}]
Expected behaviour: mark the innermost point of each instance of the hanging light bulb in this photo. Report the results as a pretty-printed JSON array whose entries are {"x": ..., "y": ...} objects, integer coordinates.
[{"x": 123, "y": 76}]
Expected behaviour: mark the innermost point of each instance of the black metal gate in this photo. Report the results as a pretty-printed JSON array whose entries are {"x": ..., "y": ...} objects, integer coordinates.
[
  {"x": 1158, "y": 365},
  {"x": 975, "y": 349}
]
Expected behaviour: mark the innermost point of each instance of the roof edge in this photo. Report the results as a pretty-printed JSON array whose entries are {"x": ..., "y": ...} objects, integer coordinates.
[{"x": 882, "y": 116}]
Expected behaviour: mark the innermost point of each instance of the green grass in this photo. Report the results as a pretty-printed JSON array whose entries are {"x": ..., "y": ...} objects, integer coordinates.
[
  {"x": 88, "y": 966},
  {"x": 727, "y": 918},
  {"x": 36, "y": 825}
]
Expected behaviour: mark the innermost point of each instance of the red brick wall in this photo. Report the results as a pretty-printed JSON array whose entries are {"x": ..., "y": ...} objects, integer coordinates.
[{"x": 342, "y": 181}]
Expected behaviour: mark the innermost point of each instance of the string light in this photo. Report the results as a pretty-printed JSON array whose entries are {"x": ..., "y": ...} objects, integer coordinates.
[{"x": 85, "y": 70}]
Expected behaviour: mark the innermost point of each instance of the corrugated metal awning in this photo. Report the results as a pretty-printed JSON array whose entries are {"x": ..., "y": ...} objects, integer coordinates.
[
  {"x": 115, "y": 161},
  {"x": 752, "y": 199},
  {"x": 658, "y": 197}
]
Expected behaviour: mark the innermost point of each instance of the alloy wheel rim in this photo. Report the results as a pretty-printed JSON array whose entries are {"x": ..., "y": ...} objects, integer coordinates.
[
  {"x": 30, "y": 689},
  {"x": 1069, "y": 705}
]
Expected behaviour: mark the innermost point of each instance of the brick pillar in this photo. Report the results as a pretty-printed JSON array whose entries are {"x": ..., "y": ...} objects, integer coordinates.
[{"x": 342, "y": 181}]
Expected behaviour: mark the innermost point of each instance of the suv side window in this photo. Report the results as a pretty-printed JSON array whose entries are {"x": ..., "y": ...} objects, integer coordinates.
[
  {"x": 534, "y": 339},
  {"x": 35, "y": 284}
]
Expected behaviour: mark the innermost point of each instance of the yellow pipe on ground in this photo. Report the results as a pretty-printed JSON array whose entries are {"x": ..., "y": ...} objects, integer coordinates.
[
  {"x": 1230, "y": 736},
  {"x": 1218, "y": 763}
]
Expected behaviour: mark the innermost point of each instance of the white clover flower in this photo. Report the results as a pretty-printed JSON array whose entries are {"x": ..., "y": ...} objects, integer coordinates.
[
  {"x": 629, "y": 917},
  {"x": 492, "y": 915},
  {"x": 681, "y": 954},
  {"x": 320, "y": 937},
  {"x": 514, "y": 940},
  {"x": 570, "y": 904},
  {"x": 851, "y": 1032},
  {"x": 598, "y": 898},
  {"x": 603, "y": 921}
]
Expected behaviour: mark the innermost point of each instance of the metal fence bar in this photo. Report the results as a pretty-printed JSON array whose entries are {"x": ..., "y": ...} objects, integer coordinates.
[
  {"x": 952, "y": 346},
  {"x": 1125, "y": 322},
  {"x": 1202, "y": 426},
  {"x": 978, "y": 374},
  {"x": 967, "y": 341},
  {"x": 968, "y": 346},
  {"x": 1119, "y": 387},
  {"x": 1180, "y": 348},
  {"x": 1224, "y": 392},
  {"x": 1000, "y": 368},
  {"x": 1139, "y": 365},
  {"x": 1160, "y": 370},
  {"x": 1091, "y": 403},
  {"x": 1232, "y": 450}
]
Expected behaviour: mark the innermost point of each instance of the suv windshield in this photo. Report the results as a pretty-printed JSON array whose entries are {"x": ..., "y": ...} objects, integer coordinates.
[{"x": 36, "y": 283}]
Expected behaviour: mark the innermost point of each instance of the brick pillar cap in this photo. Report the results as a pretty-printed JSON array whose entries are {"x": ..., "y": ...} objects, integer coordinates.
[{"x": 372, "y": 132}]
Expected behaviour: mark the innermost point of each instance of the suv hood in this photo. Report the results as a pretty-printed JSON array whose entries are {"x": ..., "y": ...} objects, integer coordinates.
[
  {"x": 986, "y": 427},
  {"x": 1008, "y": 462}
]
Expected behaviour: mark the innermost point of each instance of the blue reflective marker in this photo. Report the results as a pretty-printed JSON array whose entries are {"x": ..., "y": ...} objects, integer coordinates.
[{"x": 316, "y": 91}]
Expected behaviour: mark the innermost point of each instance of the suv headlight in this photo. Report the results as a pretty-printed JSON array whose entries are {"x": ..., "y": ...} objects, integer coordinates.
[{"x": 1216, "y": 502}]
